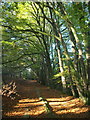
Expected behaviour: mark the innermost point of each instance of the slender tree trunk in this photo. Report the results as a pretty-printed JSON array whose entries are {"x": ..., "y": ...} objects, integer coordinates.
[
  {"x": 60, "y": 60},
  {"x": 47, "y": 56},
  {"x": 61, "y": 66},
  {"x": 59, "y": 53},
  {"x": 44, "y": 39}
]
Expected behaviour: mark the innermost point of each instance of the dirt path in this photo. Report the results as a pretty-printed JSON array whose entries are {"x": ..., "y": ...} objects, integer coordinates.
[{"x": 42, "y": 102}]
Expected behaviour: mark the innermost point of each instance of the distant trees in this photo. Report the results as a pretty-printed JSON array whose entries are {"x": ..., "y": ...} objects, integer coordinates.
[{"x": 52, "y": 39}]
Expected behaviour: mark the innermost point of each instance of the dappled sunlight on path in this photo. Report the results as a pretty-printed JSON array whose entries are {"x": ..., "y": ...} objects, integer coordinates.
[{"x": 30, "y": 104}]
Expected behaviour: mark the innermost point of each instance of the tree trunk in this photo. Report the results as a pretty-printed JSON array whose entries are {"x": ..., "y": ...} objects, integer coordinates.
[{"x": 61, "y": 66}]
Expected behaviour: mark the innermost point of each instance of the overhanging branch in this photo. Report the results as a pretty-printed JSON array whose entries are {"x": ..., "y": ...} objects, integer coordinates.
[{"x": 19, "y": 58}]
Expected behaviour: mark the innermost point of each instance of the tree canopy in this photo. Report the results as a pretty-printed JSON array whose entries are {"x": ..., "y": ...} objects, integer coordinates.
[{"x": 49, "y": 42}]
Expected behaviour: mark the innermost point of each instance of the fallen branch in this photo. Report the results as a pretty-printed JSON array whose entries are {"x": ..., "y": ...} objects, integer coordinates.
[{"x": 9, "y": 90}]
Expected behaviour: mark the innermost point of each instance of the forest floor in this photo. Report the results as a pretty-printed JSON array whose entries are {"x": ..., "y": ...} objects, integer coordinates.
[{"x": 29, "y": 104}]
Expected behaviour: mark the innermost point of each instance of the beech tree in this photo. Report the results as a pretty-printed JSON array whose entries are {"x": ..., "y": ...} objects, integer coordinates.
[{"x": 51, "y": 40}]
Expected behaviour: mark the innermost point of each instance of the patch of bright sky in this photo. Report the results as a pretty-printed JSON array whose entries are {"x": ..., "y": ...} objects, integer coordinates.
[
  {"x": 12, "y": 38},
  {"x": 29, "y": 69}
]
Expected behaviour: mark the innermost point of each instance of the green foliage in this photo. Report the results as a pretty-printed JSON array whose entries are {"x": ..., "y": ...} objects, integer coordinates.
[
  {"x": 34, "y": 32},
  {"x": 64, "y": 73}
]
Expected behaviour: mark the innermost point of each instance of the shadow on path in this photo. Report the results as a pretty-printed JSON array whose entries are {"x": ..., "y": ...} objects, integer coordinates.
[{"x": 38, "y": 101}]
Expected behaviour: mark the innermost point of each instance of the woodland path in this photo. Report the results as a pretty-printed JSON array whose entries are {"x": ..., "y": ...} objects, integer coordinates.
[{"x": 38, "y": 101}]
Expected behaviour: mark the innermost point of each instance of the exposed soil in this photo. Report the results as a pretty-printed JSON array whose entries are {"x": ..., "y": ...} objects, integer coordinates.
[{"x": 29, "y": 105}]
